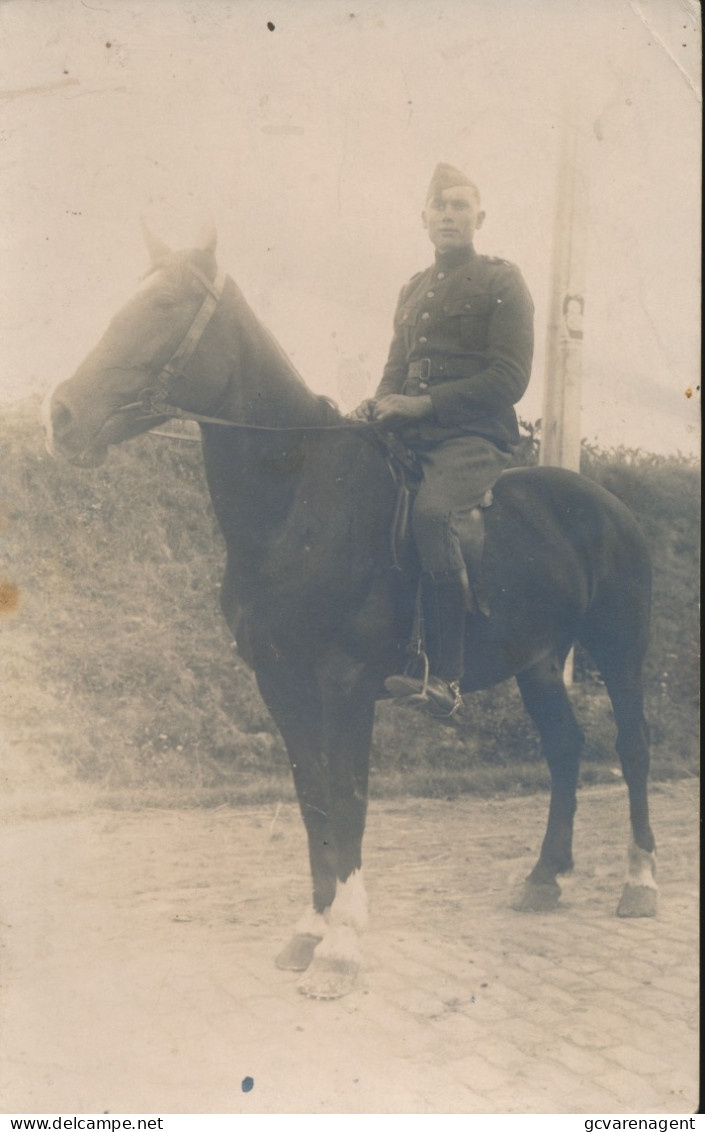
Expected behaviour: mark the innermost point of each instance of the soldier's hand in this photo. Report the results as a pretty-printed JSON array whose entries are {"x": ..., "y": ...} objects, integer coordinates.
[
  {"x": 396, "y": 407},
  {"x": 365, "y": 411}
]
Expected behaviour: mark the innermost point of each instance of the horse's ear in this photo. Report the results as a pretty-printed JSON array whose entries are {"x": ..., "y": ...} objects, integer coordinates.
[
  {"x": 157, "y": 249},
  {"x": 207, "y": 237}
]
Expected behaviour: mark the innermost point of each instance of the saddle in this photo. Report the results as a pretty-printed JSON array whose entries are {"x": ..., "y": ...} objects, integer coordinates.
[{"x": 406, "y": 473}]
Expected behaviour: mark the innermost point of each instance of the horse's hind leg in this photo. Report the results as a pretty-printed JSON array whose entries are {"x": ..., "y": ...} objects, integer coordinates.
[
  {"x": 639, "y": 896},
  {"x": 616, "y": 637},
  {"x": 546, "y": 700}
]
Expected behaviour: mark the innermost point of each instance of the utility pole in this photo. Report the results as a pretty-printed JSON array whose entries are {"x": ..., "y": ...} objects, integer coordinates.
[{"x": 560, "y": 423}]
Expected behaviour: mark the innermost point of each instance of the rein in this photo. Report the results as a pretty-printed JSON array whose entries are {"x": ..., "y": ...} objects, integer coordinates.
[{"x": 162, "y": 408}]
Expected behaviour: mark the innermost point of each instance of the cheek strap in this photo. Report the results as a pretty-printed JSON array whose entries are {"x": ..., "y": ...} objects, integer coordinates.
[{"x": 159, "y": 393}]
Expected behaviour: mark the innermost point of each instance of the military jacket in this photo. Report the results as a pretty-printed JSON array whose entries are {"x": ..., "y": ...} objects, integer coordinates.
[{"x": 467, "y": 323}]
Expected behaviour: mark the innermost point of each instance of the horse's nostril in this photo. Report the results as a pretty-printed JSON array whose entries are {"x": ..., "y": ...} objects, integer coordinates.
[{"x": 61, "y": 418}]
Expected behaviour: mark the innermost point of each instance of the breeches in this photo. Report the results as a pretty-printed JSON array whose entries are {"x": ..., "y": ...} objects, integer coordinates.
[{"x": 456, "y": 475}]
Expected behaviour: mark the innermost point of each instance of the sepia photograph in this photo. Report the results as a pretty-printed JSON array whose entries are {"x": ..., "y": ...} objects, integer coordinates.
[{"x": 349, "y": 560}]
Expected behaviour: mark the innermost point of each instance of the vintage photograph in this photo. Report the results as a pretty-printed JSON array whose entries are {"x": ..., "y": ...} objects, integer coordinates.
[{"x": 349, "y": 557}]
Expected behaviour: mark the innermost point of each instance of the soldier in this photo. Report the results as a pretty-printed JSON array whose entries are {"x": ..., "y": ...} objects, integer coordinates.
[{"x": 459, "y": 360}]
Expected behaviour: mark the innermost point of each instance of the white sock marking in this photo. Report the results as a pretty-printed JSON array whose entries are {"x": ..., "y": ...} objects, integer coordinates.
[
  {"x": 642, "y": 867},
  {"x": 349, "y": 909},
  {"x": 312, "y": 923}
]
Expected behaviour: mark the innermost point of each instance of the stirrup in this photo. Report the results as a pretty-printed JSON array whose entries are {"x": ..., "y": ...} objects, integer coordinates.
[
  {"x": 408, "y": 686},
  {"x": 421, "y": 692}
]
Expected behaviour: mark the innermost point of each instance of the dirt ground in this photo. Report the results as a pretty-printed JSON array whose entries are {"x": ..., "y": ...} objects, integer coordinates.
[{"x": 138, "y": 973}]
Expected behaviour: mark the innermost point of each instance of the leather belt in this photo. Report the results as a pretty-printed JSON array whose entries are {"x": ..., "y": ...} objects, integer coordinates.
[{"x": 442, "y": 369}]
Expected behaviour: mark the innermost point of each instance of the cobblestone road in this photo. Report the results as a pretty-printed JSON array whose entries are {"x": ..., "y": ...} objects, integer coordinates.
[{"x": 139, "y": 978}]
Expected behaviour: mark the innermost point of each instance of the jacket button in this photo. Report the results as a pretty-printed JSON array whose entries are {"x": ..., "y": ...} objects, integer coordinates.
[
  {"x": 423, "y": 385},
  {"x": 441, "y": 274},
  {"x": 422, "y": 339},
  {"x": 425, "y": 314},
  {"x": 430, "y": 294}
]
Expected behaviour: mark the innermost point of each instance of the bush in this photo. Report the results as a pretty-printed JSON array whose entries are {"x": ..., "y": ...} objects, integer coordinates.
[{"x": 122, "y": 672}]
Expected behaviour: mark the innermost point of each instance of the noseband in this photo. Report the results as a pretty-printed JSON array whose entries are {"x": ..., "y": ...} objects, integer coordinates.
[{"x": 155, "y": 399}]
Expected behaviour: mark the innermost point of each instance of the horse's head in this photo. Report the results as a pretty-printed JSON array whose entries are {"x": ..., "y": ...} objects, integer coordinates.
[{"x": 145, "y": 355}]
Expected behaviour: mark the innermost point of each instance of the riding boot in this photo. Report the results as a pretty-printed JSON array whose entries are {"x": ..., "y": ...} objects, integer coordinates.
[{"x": 444, "y": 603}]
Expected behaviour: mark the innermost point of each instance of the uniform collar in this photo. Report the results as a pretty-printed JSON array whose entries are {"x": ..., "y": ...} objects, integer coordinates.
[{"x": 456, "y": 257}]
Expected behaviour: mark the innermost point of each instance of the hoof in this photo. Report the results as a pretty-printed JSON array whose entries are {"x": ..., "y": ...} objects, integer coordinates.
[
  {"x": 329, "y": 978},
  {"x": 638, "y": 900},
  {"x": 298, "y": 953},
  {"x": 537, "y": 898}
]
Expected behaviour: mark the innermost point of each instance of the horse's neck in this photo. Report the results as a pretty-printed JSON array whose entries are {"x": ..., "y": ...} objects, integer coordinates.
[
  {"x": 264, "y": 388},
  {"x": 254, "y": 471}
]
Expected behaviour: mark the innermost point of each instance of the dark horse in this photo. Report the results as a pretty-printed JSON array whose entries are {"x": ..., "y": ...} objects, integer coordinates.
[{"x": 304, "y": 499}]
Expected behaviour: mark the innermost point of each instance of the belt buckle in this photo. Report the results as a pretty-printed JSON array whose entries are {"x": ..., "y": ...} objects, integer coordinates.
[{"x": 421, "y": 369}]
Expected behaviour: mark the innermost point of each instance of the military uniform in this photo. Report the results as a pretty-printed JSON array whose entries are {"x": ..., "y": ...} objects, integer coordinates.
[
  {"x": 463, "y": 338},
  {"x": 464, "y": 335}
]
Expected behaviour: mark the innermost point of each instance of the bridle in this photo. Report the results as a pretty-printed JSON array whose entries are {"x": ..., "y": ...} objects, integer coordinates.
[{"x": 154, "y": 401}]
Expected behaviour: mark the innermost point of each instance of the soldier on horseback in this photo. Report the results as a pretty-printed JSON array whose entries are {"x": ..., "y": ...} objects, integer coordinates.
[
  {"x": 459, "y": 360},
  {"x": 301, "y": 503}
]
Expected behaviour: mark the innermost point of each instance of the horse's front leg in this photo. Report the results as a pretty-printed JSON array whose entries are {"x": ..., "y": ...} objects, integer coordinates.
[
  {"x": 292, "y": 695},
  {"x": 348, "y": 700}
]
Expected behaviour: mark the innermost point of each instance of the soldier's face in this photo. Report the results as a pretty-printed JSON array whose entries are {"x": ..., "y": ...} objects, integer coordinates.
[{"x": 452, "y": 218}]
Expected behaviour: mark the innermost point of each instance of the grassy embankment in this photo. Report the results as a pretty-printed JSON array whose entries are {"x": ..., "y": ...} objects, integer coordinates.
[{"x": 120, "y": 673}]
